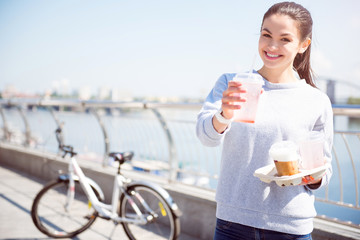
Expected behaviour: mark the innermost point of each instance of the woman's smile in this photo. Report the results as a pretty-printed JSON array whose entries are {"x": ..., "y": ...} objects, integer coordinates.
[{"x": 272, "y": 56}]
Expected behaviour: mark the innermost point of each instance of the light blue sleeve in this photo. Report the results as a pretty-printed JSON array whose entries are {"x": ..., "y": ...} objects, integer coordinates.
[
  {"x": 204, "y": 128},
  {"x": 325, "y": 124}
]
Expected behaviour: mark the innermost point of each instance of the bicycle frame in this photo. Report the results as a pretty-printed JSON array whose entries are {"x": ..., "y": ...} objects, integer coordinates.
[{"x": 105, "y": 210}]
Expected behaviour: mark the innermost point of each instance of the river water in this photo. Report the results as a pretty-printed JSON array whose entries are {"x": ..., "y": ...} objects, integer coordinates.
[{"x": 142, "y": 132}]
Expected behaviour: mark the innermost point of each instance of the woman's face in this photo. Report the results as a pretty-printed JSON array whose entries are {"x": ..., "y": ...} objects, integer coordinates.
[{"x": 280, "y": 42}]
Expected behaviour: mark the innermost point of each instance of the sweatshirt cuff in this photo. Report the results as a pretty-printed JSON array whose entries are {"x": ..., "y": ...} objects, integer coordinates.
[{"x": 210, "y": 130}]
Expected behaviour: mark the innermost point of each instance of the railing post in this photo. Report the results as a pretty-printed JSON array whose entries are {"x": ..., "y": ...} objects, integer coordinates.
[
  {"x": 54, "y": 116},
  {"x": 354, "y": 168},
  {"x": 58, "y": 124},
  {"x": 5, "y": 127},
  {"x": 27, "y": 126},
  {"x": 106, "y": 138},
  {"x": 340, "y": 178},
  {"x": 173, "y": 163}
]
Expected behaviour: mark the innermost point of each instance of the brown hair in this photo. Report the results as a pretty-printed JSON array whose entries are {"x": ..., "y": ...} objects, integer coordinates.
[{"x": 303, "y": 18}]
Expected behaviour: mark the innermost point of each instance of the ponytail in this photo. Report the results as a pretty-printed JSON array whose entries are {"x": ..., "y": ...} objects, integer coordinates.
[{"x": 302, "y": 66}]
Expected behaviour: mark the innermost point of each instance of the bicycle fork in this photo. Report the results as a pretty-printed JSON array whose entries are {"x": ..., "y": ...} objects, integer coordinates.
[
  {"x": 139, "y": 219},
  {"x": 152, "y": 215}
]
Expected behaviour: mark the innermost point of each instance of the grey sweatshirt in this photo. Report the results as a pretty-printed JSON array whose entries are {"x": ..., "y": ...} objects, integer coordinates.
[{"x": 286, "y": 111}]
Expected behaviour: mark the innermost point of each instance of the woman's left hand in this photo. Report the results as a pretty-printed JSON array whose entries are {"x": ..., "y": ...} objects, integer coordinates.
[{"x": 309, "y": 180}]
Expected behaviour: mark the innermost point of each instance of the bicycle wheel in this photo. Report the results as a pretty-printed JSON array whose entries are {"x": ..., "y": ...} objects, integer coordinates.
[
  {"x": 50, "y": 216},
  {"x": 164, "y": 225}
]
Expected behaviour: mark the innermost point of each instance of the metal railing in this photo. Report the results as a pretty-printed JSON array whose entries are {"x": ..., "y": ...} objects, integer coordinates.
[
  {"x": 180, "y": 157},
  {"x": 351, "y": 157},
  {"x": 96, "y": 108}
]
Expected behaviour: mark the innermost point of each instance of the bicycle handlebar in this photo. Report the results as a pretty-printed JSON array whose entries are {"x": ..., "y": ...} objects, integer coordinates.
[{"x": 67, "y": 149}]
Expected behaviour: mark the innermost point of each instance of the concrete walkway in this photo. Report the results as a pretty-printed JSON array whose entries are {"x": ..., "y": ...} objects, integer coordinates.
[{"x": 17, "y": 191}]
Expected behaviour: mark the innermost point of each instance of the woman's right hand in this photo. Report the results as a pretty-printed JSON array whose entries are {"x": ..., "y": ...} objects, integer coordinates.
[
  {"x": 230, "y": 101},
  {"x": 232, "y": 97}
]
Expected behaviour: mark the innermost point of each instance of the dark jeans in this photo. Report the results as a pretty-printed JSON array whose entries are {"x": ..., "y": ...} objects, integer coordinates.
[{"x": 233, "y": 231}]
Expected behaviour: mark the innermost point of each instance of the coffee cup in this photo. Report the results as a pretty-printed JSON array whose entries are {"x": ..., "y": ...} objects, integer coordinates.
[{"x": 286, "y": 158}]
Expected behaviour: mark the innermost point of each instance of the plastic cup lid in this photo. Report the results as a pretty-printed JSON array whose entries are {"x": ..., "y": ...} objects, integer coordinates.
[
  {"x": 249, "y": 78},
  {"x": 284, "y": 151}
]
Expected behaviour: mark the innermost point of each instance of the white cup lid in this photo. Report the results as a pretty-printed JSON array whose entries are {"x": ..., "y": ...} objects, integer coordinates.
[
  {"x": 249, "y": 78},
  {"x": 284, "y": 151}
]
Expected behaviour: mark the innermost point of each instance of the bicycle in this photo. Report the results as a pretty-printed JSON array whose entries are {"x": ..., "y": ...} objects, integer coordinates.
[{"x": 69, "y": 205}]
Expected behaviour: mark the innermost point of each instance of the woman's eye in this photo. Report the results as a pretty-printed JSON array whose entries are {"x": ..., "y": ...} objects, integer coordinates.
[
  {"x": 286, "y": 40},
  {"x": 266, "y": 35}
]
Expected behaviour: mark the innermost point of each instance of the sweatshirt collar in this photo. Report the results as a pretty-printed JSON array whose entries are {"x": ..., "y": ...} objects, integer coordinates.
[{"x": 297, "y": 84}]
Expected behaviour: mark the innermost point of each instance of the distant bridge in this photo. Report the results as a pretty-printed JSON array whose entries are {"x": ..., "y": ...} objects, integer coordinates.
[{"x": 331, "y": 84}]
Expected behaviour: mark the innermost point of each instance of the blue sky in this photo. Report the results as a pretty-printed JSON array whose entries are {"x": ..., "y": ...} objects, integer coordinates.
[{"x": 159, "y": 47}]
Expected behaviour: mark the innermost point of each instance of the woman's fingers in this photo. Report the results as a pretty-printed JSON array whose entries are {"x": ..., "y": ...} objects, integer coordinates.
[
  {"x": 232, "y": 97},
  {"x": 309, "y": 180},
  {"x": 235, "y": 87}
]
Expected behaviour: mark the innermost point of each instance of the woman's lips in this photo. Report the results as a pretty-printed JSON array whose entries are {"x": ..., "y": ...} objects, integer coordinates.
[{"x": 272, "y": 55}]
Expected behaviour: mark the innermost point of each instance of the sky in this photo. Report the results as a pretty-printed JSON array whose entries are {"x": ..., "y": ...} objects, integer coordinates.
[{"x": 159, "y": 47}]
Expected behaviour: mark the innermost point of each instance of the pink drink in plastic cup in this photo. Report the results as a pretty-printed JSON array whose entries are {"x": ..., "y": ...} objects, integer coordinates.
[
  {"x": 312, "y": 150},
  {"x": 253, "y": 84}
]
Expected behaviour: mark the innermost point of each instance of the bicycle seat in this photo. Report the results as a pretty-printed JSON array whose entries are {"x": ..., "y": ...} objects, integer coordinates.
[{"x": 122, "y": 157}]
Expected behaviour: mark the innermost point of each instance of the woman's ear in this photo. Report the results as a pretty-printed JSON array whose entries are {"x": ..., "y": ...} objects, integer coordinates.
[{"x": 304, "y": 45}]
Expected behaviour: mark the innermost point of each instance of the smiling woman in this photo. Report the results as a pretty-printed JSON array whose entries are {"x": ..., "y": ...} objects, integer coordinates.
[{"x": 289, "y": 109}]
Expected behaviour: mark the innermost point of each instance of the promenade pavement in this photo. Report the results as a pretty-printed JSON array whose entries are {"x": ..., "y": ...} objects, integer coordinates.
[{"x": 17, "y": 191}]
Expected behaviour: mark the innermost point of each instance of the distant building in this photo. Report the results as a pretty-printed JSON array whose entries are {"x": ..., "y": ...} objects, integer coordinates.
[
  {"x": 85, "y": 93},
  {"x": 104, "y": 93},
  {"x": 120, "y": 95},
  {"x": 10, "y": 91}
]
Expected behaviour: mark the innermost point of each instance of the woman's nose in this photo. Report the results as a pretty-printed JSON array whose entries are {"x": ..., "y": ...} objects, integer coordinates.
[{"x": 273, "y": 45}]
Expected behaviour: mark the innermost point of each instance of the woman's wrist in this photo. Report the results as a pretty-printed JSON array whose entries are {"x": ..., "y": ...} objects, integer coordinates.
[
  {"x": 221, "y": 118},
  {"x": 315, "y": 185},
  {"x": 220, "y": 123}
]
